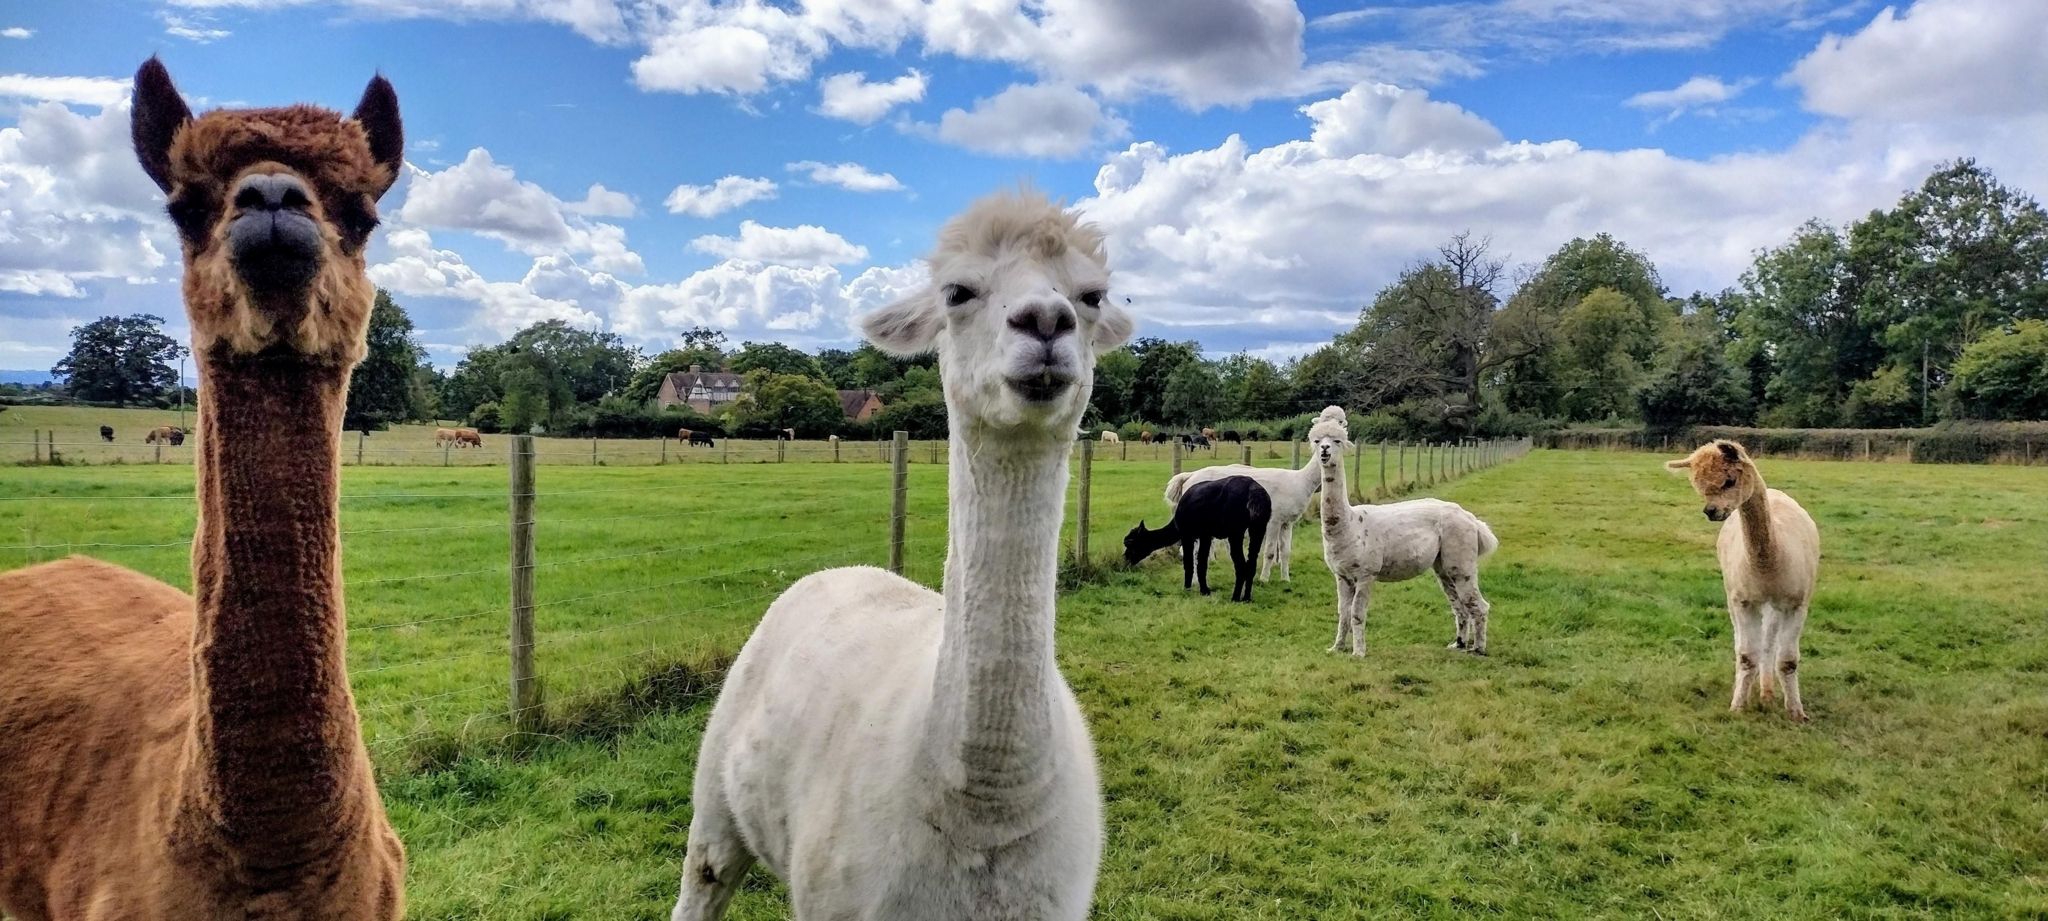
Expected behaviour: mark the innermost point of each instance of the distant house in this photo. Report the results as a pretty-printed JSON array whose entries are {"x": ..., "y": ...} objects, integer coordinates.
[
  {"x": 859, "y": 405},
  {"x": 701, "y": 390}
]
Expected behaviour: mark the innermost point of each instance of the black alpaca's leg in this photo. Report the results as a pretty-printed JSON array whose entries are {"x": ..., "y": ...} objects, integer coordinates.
[
  {"x": 1202, "y": 563},
  {"x": 1258, "y": 540},
  {"x": 1240, "y": 587},
  {"x": 1187, "y": 563}
]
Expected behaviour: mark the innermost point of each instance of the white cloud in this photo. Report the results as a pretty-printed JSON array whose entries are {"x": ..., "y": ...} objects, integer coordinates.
[
  {"x": 852, "y": 177},
  {"x": 1939, "y": 59},
  {"x": 719, "y": 197},
  {"x": 16, "y": 32},
  {"x": 1292, "y": 238},
  {"x": 795, "y": 303},
  {"x": 414, "y": 267},
  {"x": 483, "y": 197},
  {"x": 597, "y": 20},
  {"x": 86, "y": 91},
  {"x": 74, "y": 207},
  {"x": 1382, "y": 119},
  {"x": 851, "y": 97},
  {"x": 603, "y": 202},
  {"x": 1547, "y": 28},
  {"x": 1032, "y": 121},
  {"x": 802, "y": 245},
  {"x": 192, "y": 30},
  {"x": 1695, "y": 93}
]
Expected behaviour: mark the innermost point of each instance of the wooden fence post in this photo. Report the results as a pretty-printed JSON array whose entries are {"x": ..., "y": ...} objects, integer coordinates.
[
  {"x": 899, "y": 479},
  {"x": 725, "y": 451},
  {"x": 444, "y": 452},
  {"x": 1247, "y": 455},
  {"x": 526, "y": 700},
  {"x": 1383, "y": 468},
  {"x": 159, "y": 451},
  {"x": 1401, "y": 464},
  {"x": 1297, "y": 454},
  {"x": 1357, "y": 487},
  {"x": 835, "y": 450},
  {"x": 1176, "y": 457},
  {"x": 781, "y": 449},
  {"x": 935, "y": 452},
  {"x": 36, "y": 439},
  {"x": 593, "y": 452},
  {"x": 1081, "y": 505},
  {"x": 360, "y": 438},
  {"x": 664, "y": 449}
]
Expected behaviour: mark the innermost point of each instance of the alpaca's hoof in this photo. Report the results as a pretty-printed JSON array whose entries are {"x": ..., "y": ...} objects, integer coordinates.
[
  {"x": 1456, "y": 644},
  {"x": 1798, "y": 716},
  {"x": 1358, "y": 653}
]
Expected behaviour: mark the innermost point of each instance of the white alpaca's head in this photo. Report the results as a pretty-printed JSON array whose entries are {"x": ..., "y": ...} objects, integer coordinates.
[
  {"x": 1330, "y": 436},
  {"x": 1018, "y": 307}
]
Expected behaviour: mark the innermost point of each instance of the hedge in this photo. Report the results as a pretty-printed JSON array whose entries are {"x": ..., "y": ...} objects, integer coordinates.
[{"x": 1948, "y": 443}]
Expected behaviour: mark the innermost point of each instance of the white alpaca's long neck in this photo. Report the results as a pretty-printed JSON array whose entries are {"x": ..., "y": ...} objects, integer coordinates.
[
  {"x": 1337, "y": 518},
  {"x": 991, "y": 735}
]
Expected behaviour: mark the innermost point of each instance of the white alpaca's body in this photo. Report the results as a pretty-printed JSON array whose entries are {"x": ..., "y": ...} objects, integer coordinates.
[
  {"x": 896, "y": 754},
  {"x": 1109, "y": 437},
  {"x": 1291, "y": 492},
  {"x": 820, "y": 725},
  {"x": 1364, "y": 544}
]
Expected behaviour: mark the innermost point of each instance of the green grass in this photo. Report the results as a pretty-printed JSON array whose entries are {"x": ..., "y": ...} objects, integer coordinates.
[{"x": 1589, "y": 768}]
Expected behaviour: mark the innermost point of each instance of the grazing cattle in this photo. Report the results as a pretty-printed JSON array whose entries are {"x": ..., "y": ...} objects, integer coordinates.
[
  {"x": 1145, "y": 436},
  {"x": 1196, "y": 441},
  {"x": 469, "y": 438},
  {"x": 164, "y": 434},
  {"x": 1252, "y": 435},
  {"x": 1109, "y": 437},
  {"x": 1231, "y": 435},
  {"x": 177, "y": 437},
  {"x": 106, "y": 433},
  {"x": 1209, "y": 433},
  {"x": 786, "y": 435},
  {"x": 444, "y": 436}
]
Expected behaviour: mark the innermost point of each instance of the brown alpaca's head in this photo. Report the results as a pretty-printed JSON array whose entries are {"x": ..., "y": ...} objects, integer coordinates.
[
  {"x": 274, "y": 208},
  {"x": 1723, "y": 475}
]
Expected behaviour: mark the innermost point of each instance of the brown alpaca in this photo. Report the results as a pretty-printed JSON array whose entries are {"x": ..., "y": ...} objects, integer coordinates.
[
  {"x": 176, "y": 757},
  {"x": 1770, "y": 556}
]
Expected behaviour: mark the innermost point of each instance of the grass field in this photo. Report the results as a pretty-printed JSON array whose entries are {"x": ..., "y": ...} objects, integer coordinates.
[{"x": 1589, "y": 768}]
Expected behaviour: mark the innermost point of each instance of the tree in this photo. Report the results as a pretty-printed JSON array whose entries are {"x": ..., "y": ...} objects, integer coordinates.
[
  {"x": 1536, "y": 376},
  {"x": 120, "y": 360},
  {"x": 2004, "y": 374},
  {"x": 382, "y": 389},
  {"x": 922, "y": 414},
  {"x": 1194, "y": 395},
  {"x": 776, "y": 358},
  {"x": 1424, "y": 338},
  {"x": 535, "y": 392},
  {"x": 1253, "y": 388},
  {"x": 1799, "y": 302},
  {"x": 1600, "y": 373},
  {"x": 1115, "y": 373},
  {"x": 1157, "y": 361},
  {"x": 1693, "y": 383},
  {"x": 587, "y": 363},
  {"x": 773, "y": 402},
  {"x": 478, "y": 379}
]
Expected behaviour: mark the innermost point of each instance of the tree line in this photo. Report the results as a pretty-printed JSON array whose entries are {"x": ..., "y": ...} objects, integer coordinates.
[{"x": 1933, "y": 309}]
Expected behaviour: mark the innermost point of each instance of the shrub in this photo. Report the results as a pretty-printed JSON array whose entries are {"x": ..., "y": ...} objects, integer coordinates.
[
  {"x": 2004, "y": 374},
  {"x": 485, "y": 418}
]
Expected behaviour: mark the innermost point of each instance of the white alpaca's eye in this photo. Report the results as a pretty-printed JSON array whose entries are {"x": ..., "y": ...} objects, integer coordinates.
[
  {"x": 1092, "y": 298},
  {"x": 959, "y": 294}
]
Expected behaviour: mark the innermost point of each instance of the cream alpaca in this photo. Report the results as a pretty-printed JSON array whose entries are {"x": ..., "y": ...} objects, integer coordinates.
[
  {"x": 894, "y": 753},
  {"x": 1364, "y": 544},
  {"x": 1770, "y": 557}
]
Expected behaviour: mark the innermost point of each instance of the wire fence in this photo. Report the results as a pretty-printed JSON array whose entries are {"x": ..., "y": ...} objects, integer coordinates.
[{"x": 490, "y": 605}]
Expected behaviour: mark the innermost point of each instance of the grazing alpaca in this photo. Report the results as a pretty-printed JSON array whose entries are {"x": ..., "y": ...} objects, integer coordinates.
[
  {"x": 1109, "y": 437},
  {"x": 893, "y": 753},
  {"x": 1770, "y": 556},
  {"x": 106, "y": 433},
  {"x": 1225, "y": 507},
  {"x": 169, "y": 756},
  {"x": 1364, "y": 544},
  {"x": 1291, "y": 491}
]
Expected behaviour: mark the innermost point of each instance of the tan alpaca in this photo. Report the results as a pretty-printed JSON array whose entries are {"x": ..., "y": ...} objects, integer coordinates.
[
  {"x": 1770, "y": 556},
  {"x": 174, "y": 757}
]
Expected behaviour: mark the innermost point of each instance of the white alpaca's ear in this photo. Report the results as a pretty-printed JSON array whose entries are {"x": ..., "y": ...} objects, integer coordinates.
[
  {"x": 908, "y": 327},
  {"x": 1113, "y": 327},
  {"x": 1683, "y": 463}
]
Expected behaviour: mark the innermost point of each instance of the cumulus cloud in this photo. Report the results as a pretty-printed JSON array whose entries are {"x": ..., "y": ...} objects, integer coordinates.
[
  {"x": 483, "y": 197},
  {"x": 1937, "y": 59},
  {"x": 597, "y": 20},
  {"x": 852, "y": 177},
  {"x": 86, "y": 91},
  {"x": 802, "y": 245},
  {"x": 1552, "y": 27},
  {"x": 74, "y": 207},
  {"x": 414, "y": 266},
  {"x": 603, "y": 202},
  {"x": 719, "y": 197},
  {"x": 798, "y": 303},
  {"x": 1032, "y": 121},
  {"x": 1382, "y": 119},
  {"x": 851, "y": 97},
  {"x": 1698, "y": 93}
]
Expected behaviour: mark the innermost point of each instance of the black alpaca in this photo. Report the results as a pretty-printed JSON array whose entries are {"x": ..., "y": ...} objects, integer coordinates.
[{"x": 1226, "y": 508}]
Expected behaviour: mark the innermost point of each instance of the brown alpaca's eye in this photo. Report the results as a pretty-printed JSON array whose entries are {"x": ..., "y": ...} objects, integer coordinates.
[
  {"x": 1730, "y": 484},
  {"x": 959, "y": 294}
]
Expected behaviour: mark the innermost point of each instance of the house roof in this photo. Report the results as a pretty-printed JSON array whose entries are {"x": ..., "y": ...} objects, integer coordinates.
[
  {"x": 684, "y": 380},
  {"x": 851, "y": 401}
]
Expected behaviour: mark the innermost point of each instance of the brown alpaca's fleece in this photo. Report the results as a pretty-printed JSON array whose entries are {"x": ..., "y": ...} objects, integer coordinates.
[
  {"x": 119, "y": 779},
  {"x": 171, "y": 757}
]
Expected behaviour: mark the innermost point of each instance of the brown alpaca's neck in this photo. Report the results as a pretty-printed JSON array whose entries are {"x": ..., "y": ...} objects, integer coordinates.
[
  {"x": 277, "y": 763},
  {"x": 1756, "y": 524}
]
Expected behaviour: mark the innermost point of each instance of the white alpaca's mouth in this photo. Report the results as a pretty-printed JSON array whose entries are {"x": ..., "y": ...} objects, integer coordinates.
[{"x": 1043, "y": 387}]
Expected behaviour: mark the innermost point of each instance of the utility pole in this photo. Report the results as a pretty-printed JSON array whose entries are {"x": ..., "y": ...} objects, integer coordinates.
[{"x": 1923, "y": 381}]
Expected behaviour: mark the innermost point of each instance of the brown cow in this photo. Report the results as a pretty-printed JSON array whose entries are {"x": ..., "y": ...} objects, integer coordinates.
[
  {"x": 1145, "y": 436},
  {"x": 468, "y": 437},
  {"x": 165, "y": 434}
]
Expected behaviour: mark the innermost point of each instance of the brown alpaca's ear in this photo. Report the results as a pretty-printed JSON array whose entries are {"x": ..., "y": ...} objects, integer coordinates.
[
  {"x": 158, "y": 113},
  {"x": 1683, "y": 463},
  {"x": 1730, "y": 450},
  {"x": 378, "y": 114}
]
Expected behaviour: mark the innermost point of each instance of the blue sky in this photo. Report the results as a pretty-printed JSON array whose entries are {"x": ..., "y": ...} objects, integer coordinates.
[{"x": 774, "y": 169}]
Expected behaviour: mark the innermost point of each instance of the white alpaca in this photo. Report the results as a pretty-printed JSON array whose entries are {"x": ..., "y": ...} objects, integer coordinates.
[
  {"x": 1363, "y": 544},
  {"x": 1770, "y": 557},
  {"x": 1109, "y": 437},
  {"x": 899, "y": 755},
  {"x": 1290, "y": 491}
]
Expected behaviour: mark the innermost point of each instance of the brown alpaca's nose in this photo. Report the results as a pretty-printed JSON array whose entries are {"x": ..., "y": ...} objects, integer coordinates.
[
  {"x": 1044, "y": 320},
  {"x": 273, "y": 241}
]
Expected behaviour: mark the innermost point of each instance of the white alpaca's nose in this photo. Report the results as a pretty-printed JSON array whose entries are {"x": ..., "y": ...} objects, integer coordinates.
[{"x": 1043, "y": 318}]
